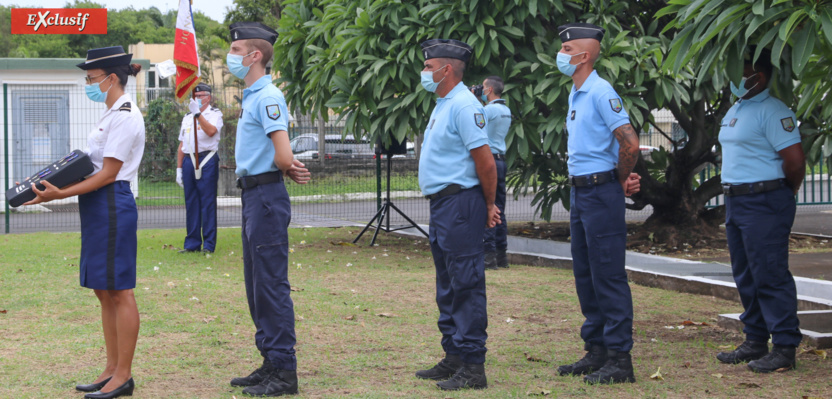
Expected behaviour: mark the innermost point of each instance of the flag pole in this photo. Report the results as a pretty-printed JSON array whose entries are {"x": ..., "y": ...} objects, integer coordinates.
[{"x": 196, "y": 139}]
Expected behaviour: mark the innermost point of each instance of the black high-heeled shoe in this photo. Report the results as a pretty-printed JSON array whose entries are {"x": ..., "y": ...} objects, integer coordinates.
[
  {"x": 92, "y": 387},
  {"x": 125, "y": 389}
]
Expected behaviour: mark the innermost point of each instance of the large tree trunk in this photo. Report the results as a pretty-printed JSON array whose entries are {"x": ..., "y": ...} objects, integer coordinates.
[{"x": 679, "y": 214}]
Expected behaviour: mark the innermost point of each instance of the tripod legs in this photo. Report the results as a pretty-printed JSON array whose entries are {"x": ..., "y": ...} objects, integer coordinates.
[{"x": 380, "y": 215}]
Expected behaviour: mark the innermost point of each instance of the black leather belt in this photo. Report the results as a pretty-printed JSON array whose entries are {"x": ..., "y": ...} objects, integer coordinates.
[
  {"x": 450, "y": 190},
  {"x": 732, "y": 190},
  {"x": 499, "y": 157},
  {"x": 595, "y": 179},
  {"x": 246, "y": 182}
]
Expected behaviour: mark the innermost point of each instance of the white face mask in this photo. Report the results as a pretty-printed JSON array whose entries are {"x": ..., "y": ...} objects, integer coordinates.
[{"x": 427, "y": 80}]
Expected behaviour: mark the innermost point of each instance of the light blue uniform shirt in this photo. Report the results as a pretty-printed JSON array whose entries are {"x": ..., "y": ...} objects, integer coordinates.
[
  {"x": 499, "y": 120},
  {"x": 456, "y": 126},
  {"x": 595, "y": 110},
  {"x": 751, "y": 134},
  {"x": 264, "y": 111}
]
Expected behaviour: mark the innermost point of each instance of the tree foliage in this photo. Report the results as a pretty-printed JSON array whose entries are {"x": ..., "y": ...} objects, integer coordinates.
[
  {"x": 713, "y": 34},
  {"x": 362, "y": 60},
  {"x": 124, "y": 27}
]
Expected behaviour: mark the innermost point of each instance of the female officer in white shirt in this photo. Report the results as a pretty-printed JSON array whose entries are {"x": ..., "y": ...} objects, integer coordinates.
[{"x": 109, "y": 216}]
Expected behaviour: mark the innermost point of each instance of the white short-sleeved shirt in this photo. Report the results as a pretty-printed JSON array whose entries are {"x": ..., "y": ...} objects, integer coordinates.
[
  {"x": 118, "y": 134},
  {"x": 206, "y": 142}
]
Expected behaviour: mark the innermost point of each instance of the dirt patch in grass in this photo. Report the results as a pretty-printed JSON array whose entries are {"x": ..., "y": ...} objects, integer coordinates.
[{"x": 641, "y": 241}]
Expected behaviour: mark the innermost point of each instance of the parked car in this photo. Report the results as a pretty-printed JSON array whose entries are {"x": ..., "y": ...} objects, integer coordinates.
[{"x": 305, "y": 146}]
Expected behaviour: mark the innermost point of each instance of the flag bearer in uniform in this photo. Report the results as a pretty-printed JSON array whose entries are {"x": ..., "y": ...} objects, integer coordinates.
[
  {"x": 200, "y": 184},
  {"x": 109, "y": 216},
  {"x": 264, "y": 157}
]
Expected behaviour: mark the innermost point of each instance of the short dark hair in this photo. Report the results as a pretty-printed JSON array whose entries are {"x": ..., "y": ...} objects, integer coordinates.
[
  {"x": 264, "y": 47},
  {"x": 123, "y": 71},
  {"x": 495, "y": 83},
  {"x": 763, "y": 63}
]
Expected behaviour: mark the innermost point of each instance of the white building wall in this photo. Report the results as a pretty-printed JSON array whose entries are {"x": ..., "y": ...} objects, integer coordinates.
[{"x": 83, "y": 113}]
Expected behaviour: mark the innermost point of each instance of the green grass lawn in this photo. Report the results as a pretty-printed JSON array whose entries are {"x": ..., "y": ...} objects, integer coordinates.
[
  {"x": 169, "y": 193},
  {"x": 196, "y": 332}
]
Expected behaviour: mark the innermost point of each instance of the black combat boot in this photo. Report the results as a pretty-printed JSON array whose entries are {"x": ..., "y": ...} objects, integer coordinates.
[
  {"x": 256, "y": 377},
  {"x": 278, "y": 383},
  {"x": 491, "y": 260},
  {"x": 502, "y": 259},
  {"x": 468, "y": 376},
  {"x": 595, "y": 358},
  {"x": 748, "y": 350},
  {"x": 618, "y": 369},
  {"x": 780, "y": 357},
  {"x": 443, "y": 370}
]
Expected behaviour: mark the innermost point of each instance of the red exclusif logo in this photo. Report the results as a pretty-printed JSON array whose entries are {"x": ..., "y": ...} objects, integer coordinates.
[{"x": 59, "y": 21}]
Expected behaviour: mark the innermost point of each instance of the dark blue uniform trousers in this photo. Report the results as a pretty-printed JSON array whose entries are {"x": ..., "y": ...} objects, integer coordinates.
[
  {"x": 599, "y": 235},
  {"x": 201, "y": 204},
  {"x": 266, "y": 215},
  {"x": 495, "y": 238},
  {"x": 457, "y": 224},
  {"x": 758, "y": 228}
]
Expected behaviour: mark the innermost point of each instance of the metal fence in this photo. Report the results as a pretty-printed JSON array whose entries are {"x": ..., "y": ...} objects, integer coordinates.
[
  {"x": 44, "y": 122},
  {"x": 816, "y": 188}
]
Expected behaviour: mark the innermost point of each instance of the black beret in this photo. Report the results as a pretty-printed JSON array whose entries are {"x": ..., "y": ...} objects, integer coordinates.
[
  {"x": 446, "y": 48},
  {"x": 580, "y": 30},
  {"x": 252, "y": 30},
  {"x": 202, "y": 87},
  {"x": 105, "y": 57}
]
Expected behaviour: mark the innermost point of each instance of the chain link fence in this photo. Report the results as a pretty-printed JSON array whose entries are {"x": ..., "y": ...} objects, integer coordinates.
[{"x": 43, "y": 123}]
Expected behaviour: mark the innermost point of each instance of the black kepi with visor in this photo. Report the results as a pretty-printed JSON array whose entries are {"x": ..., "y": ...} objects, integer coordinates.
[
  {"x": 580, "y": 30},
  {"x": 446, "y": 48},
  {"x": 252, "y": 30},
  {"x": 105, "y": 57}
]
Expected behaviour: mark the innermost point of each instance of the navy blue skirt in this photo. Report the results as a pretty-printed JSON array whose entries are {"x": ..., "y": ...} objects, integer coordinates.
[{"x": 109, "y": 221}]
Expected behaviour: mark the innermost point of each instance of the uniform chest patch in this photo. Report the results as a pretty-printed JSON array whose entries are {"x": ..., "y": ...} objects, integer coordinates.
[
  {"x": 573, "y": 115},
  {"x": 615, "y": 104},
  {"x": 273, "y": 111},
  {"x": 479, "y": 120},
  {"x": 733, "y": 122},
  {"x": 432, "y": 121},
  {"x": 788, "y": 124}
]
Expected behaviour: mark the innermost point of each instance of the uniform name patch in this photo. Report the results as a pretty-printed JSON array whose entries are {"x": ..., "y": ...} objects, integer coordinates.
[
  {"x": 273, "y": 111},
  {"x": 479, "y": 120},
  {"x": 573, "y": 114},
  {"x": 615, "y": 104},
  {"x": 788, "y": 124},
  {"x": 733, "y": 122}
]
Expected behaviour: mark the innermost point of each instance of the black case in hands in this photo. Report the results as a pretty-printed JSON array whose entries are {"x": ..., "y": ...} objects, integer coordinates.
[{"x": 60, "y": 173}]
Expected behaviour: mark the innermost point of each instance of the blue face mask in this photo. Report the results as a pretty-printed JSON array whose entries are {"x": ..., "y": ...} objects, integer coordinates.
[
  {"x": 741, "y": 91},
  {"x": 94, "y": 92},
  {"x": 484, "y": 98},
  {"x": 427, "y": 80},
  {"x": 564, "y": 63},
  {"x": 235, "y": 64}
]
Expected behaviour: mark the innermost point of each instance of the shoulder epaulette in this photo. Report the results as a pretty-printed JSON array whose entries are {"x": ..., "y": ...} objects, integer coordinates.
[
  {"x": 126, "y": 107},
  {"x": 215, "y": 109}
]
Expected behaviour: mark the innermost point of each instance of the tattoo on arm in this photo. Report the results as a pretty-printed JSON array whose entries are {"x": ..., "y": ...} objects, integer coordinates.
[{"x": 628, "y": 149}]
